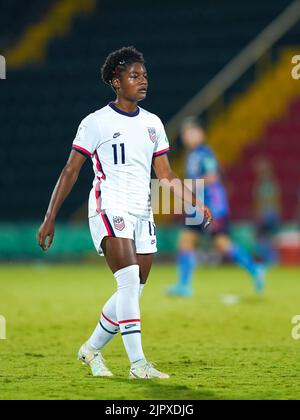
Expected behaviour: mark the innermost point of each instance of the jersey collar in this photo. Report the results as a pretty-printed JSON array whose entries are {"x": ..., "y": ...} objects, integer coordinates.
[{"x": 127, "y": 114}]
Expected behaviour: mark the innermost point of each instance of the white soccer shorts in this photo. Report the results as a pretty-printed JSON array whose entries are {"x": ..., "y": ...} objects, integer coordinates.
[{"x": 124, "y": 225}]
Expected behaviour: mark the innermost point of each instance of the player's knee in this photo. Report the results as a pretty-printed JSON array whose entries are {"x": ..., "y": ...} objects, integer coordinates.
[
  {"x": 128, "y": 277},
  {"x": 187, "y": 241},
  {"x": 222, "y": 243}
]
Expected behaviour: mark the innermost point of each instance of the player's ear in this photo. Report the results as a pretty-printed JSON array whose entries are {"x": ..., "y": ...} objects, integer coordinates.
[{"x": 116, "y": 83}]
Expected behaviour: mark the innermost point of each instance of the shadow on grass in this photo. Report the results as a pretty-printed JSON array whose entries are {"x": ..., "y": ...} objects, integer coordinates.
[{"x": 164, "y": 390}]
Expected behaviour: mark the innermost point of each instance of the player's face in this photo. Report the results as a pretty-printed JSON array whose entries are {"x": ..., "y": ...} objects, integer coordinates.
[
  {"x": 193, "y": 136},
  {"x": 134, "y": 83}
]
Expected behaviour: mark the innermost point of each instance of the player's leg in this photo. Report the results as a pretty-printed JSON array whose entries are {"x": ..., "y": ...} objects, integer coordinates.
[
  {"x": 121, "y": 257},
  {"x": 266, "y": 230},
  {"x": 108, "y": 325},
  {"x": 145, "y": 264},
  {"x": 124, "y": 304},
  {"x": 186, "y": 263},
  {"x": 241, "y": 257},
  {"x": 145, "y": 242},
  {"x": 122, "y": 309},
  {"x": 129, "y": 269},
  {"x": 101, "y": 227},
  {"x": 123, "y": 261}
]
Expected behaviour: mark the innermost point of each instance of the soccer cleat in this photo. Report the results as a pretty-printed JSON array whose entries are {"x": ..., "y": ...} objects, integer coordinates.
[
  {"x": 179, "y": 290},
  {"x": 145, "y": 370},
  {"x": 94, "y": 360},
  {"x": 259, "y": 279}
]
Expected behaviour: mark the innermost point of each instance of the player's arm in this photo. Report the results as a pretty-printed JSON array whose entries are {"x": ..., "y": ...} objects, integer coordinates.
[
  {"x": 211, "y": 170},
  {"x": 165, "y": 174},
  {"x": 210, "y": 179},
  {"x": 62, "y": 189}
]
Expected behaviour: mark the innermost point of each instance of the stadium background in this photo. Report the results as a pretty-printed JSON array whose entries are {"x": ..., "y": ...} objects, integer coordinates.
[{"x": 54, "y": 50}]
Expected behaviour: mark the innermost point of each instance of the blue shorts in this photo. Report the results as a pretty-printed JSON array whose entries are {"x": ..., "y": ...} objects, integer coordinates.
[{"x": 219, "y": 226}]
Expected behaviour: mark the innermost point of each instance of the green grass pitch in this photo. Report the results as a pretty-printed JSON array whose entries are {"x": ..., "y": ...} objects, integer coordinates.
[{"x": 212, "y": 350}]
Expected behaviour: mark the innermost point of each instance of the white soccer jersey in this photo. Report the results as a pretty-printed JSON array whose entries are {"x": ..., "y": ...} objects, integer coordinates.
[{"x": 122, "y": 146}]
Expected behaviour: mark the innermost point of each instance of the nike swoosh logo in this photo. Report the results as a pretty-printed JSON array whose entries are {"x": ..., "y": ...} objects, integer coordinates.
[{"x": 129, "y": 326}]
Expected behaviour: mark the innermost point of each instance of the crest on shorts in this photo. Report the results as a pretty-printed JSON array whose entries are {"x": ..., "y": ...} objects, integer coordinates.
[
  {"x": 119, "y": 223},
  {"x": 152, "y": 134}
]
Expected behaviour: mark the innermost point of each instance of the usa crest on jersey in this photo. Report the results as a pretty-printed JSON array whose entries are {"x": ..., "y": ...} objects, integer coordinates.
[
  {"x": 152, "y": 134},
  {"x": 119, "y": 223}
]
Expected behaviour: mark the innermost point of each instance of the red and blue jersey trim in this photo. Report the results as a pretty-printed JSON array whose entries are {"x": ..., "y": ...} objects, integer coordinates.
[
  {"x": 161, "y": 152},
  {"x": 98, "y": 165},
  {"x": 81, "y": 150},
  {"x": 107, "y": 225},
  {"x": 98, "y": 196}
]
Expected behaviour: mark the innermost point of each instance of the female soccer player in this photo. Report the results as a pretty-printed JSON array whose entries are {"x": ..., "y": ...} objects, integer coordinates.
[
  {"x": 123, "y": 141},
  {"x": 201, "y": 163}
]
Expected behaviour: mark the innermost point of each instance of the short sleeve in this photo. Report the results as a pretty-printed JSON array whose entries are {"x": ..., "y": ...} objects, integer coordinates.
[
  {"x": 87, "y": 137},
  {"x": 162, "y": 142},
  {"x": 210, "y": 165}
]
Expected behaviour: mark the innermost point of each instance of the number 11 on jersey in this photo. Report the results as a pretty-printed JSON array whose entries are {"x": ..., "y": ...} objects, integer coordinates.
[{"x": 115, "y": 147}]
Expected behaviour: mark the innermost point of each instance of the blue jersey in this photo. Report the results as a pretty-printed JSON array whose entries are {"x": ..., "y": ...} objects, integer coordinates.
[{"x": 200, "y": 163}]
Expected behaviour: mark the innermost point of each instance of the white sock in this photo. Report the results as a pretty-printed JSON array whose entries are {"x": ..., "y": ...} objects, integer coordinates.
[
  {"x": 141, "y": 289},
  {"x": 128, "y": 311},
  {"x": 107, "y": 327}
]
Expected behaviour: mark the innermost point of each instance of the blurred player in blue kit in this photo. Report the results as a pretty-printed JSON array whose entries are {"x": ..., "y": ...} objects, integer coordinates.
[
  {"x": 267, "y": 207},
  {"x": 201, "y": 163}
]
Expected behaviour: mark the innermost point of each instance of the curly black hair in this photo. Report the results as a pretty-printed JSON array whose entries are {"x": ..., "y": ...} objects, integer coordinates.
[{"x": 118, "y": 60}]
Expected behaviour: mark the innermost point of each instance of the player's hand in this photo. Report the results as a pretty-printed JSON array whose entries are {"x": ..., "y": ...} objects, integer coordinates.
[
  {"x": 46, "y": 234},
  {"x": 207, "y": 217}
]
